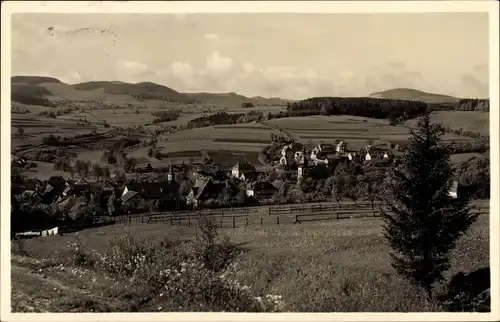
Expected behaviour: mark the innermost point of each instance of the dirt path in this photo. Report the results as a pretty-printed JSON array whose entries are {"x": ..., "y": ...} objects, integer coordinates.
[{"x": 37, "y": 290}]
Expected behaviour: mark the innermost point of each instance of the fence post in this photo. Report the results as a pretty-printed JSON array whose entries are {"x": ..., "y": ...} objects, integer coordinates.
[
  {"x": 277, "y": 220},
  {"x": 180, "y": 223},
  {"x": 261, "y": 221},
  {"x": 337, "y": 216},
  {"x": 246, "y": 221},
  {"x": 172, "y": 220},
  {"x": 234, "y": 222},
  {"x": 220, "y": 222},
  {"x": 189, "y": 221}
]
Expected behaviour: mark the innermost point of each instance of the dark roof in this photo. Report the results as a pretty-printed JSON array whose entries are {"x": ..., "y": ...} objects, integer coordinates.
[
  {"x": 203, "y": 173},
  {"x": 262, "y": 186},
  {"x": 205, "y": 187},
  {"x": 154, "y": 190},
  {"x": 57, "y": 182},
  {"x": 17, "y": 179},
  {"x": 244, "y": 166},
  {"x": 250, "y": 175}
]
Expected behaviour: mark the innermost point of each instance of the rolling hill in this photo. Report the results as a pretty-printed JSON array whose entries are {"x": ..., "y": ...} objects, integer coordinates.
[
  {"x": 26, "y": 89},
  {"x": 415, "y": 95}
]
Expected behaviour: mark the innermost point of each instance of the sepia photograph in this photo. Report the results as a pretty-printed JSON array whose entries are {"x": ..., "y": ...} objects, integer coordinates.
[{"x": 249, "y": 161}]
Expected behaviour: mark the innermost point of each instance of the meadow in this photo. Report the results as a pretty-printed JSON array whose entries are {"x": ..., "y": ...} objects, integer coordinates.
[
  {"x": 335, "y": 266},
  {"x": 237, "y": 141},
  {"x": 37, "y": 127},
  {"x": 466, "y": 120},
  {"x": 354, "y": 130}
]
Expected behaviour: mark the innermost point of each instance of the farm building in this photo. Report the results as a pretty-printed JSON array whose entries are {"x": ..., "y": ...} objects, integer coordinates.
[
  {"x": 204, "y": 190},
  {"x": 261, "y": 190},
  {"x": 166, "y": 193},
  {"x": 341, "y": 147},
  {"x": 54, "y": 189},
  {"x": 19, "y": 184},
  {"x": 244, "y": 169},
  {"x": 321, "y": 152},
  {"x": 203, "y": 174}
]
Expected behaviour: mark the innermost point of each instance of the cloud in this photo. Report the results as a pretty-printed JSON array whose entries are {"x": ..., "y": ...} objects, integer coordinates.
[
  {"x": 181, "y": 69},
  {"x": 248, "y": 67},
  {"x": 473, "y": 85},
  {"x": 396, "y": 65},
  {"x": 134, "y": 67},
  {"x": 392, "y": 75},
  {"x": 217, "y": 63},
  {"x": 211, "y": 36}
]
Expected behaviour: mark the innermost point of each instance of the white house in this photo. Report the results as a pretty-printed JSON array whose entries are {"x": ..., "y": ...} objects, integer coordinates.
[
  {"x": 283, "y": 160},
  {"x": 453, "y": 189},
  {"x": 341, "y": 147},
  {"x": 386, "y": 156},
  {"x": 299, "y": 157},
  {"x": 368, "y": 157},
  {"x": 242, "y": 168}
]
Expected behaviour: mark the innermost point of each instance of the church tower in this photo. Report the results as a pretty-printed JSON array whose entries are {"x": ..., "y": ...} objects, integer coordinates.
[
  {"x": 303, "y": 170},
  {"x": 171, "y": 174}
]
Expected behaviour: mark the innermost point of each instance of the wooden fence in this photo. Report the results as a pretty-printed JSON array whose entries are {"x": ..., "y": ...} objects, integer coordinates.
[{"x": 285, "y": 215}]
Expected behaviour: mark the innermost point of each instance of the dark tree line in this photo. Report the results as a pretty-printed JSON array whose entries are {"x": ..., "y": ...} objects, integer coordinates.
[
  {"x": 223, "y": 118},
  {"x": 178, "y": 98},
  {"x": 394, "y": 110},
  {"x": 166, "y": 116},
  {"x": 473, "y": 104},
  {"x": 465, "y": 104},
  {"x": 478, "y": 146},
  {"x": 30, "y": 99}
]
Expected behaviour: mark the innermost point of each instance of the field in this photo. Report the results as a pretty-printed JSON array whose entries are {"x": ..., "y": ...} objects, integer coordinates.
[
  {"x": 36, "y": 128},
  {"x": 335, "y": 266},
  {"x": 228, "y": 143},
  {"x": 468, "y": 121},
  {"x": 354, "y": 130},
  {"x": 239, "y": 141}
]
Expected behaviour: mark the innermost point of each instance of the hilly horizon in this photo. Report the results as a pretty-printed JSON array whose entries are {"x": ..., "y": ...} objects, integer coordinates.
[
  {"x": 54, "y": 89},
  {"x": 50, "y": 88}
]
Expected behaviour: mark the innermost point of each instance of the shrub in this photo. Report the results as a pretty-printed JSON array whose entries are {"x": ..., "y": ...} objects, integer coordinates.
[{"x": 172, "y": 275}]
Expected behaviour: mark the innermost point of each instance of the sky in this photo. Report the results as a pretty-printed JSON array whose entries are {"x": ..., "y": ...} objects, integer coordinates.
[{"x": 272, "y": 55}]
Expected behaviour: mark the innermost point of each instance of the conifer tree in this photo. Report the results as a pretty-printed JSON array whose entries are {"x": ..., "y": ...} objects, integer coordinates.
[{"x": 422, "y": 222}]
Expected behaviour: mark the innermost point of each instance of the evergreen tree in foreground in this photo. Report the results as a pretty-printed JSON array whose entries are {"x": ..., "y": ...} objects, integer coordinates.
[{"x": 422, "y": 222}]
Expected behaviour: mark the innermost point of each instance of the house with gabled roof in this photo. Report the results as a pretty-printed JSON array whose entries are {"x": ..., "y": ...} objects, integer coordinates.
[
  {"x": 54, "y": 188},
  {"x": 204, "y": 190},
  {"x": 243, "y": 168},
  {"x": 80, "y": 187},
  {"x": 260, "y": 190}
]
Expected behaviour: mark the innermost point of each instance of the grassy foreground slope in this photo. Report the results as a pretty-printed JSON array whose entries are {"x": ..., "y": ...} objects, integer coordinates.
[{"x": 336, "y": 266}]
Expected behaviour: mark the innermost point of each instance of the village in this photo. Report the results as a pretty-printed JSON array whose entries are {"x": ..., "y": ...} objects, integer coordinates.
[{"x": 208, "y": 185}]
